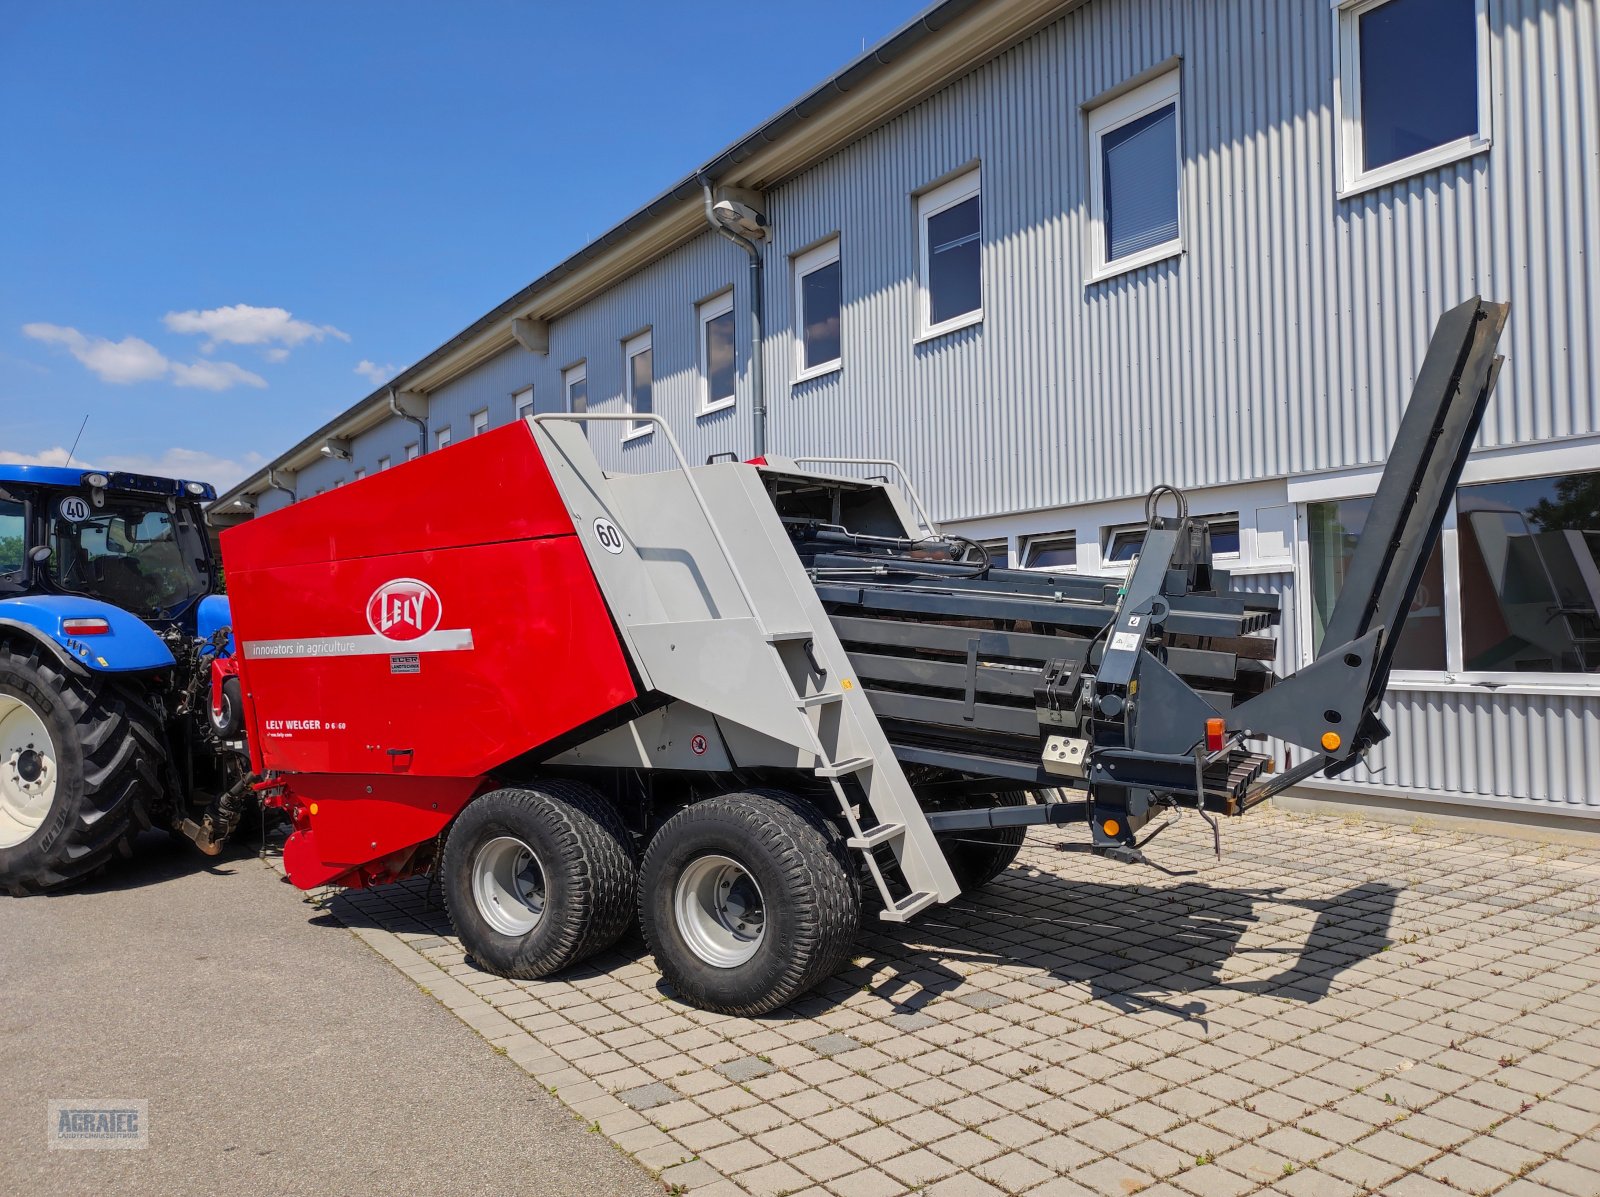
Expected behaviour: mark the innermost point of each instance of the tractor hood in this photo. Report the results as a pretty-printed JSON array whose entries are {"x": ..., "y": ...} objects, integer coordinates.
[{"x": 109, "y": 640}]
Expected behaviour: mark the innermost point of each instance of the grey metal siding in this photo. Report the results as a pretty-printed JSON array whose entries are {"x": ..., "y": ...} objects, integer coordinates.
[{"x": 1282, "y": 341}]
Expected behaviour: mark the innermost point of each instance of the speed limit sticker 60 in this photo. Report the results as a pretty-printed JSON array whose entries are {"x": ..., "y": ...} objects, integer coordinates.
[{"x": 607, "y": 534}]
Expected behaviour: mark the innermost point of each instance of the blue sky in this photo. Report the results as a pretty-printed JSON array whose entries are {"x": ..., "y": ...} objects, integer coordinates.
[{"x": 224, "y": 223}]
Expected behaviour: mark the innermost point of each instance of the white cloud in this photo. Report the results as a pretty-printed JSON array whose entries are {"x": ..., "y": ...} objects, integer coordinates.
[
  {"x": 373, "y": 372},
  {"x": 125, "y": 361},
  {"x": 196, "y": 465},
  {"x": 245, "y": 324},
  {"x": 133, "y": 360},
  {"x": 276, "y": 355},
  {"x": 214, "y": 376}
]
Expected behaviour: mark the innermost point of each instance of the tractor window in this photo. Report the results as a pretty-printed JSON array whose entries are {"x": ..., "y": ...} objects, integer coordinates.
[
  {"x": 11, "y": 536},
  {"x": 143, "y": 559}
]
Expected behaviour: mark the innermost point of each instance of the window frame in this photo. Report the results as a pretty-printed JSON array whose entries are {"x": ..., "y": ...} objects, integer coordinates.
[
  {"x": 1353, "y": 178},
  {"x": 441, "y": 438},
  {"x": 383, "y": 463},
  {"x": 359, "y": 473},
  {"x": 577, "y": 372},
  {"x": 1107, "y": 117},
  {"x": 413, "y": 451},
  {"x": 930, "y": 203},
  {"x": 632, "y": 347},
  {"x": 477, "y": 428},
  {"x": 522, "y": 408},
  {"x": 1519, "y": 464},
  {"x": 1045, "y": 540},
  {"x": 707, "y": 310},
  {"x": 806, "y": 263}
]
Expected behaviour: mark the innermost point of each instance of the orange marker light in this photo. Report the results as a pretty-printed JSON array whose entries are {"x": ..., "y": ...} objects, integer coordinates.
[
  {"x": 1111, "y": 827},
  {"x": 1213, "y": 735},
  {"x": 313, "y": 808},
  {"x": 1331, "y": 740}
]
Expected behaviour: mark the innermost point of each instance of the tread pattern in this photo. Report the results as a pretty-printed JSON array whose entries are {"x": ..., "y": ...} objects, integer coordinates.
[
  {"x": 818, "y": 877},
  {"x": 978, "y": 857},
  {"x": 121, "y": 747},
  {"x": 593, "y": 863}
]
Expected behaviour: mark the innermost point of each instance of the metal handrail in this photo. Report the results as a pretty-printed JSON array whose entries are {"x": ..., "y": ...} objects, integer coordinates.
[
  {"x": 905, "y": 481},
  {"x": 694, "y": 488}
]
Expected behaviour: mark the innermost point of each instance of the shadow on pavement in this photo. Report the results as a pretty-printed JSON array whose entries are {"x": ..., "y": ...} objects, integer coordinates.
[{"x": 1135, "y": 947}]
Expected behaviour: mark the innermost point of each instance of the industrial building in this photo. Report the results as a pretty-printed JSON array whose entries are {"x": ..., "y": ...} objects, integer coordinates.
[{"x": 1050, "y": 253}]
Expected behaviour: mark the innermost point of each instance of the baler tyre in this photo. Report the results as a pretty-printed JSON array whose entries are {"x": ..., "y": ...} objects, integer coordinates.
[
  {"x": 978, "y": 857},
  {"x": 229, "y": 722},
  {"x": 535, "y": 880},
  {"x": 748, "y": 900},
  {"x": 79, "y": 771}
]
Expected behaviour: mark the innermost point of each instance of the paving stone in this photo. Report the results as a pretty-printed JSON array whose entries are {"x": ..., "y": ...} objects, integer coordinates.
[
  {"x": 648, "y": 1097},
  {"x": 832, "y": 1045},
  {"x": 746, "y": 1068}
]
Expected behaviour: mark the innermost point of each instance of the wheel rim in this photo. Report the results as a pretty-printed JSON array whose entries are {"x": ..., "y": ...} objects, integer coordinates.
[
  {"x": 27, "y": 771},
  {"x": 720, "y": 912},
  {"x": 221, "y": 719},
  {"x": 508, "y": 885}
]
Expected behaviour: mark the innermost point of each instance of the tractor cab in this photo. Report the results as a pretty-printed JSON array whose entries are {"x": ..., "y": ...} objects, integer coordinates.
[{"x": 132, "y": 541}]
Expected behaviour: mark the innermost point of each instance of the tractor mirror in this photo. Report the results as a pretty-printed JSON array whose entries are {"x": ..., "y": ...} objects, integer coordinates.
[{"x": 39, "y": 554}]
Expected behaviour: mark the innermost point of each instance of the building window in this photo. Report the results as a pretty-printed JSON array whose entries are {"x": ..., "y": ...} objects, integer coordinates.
[
  {"x": 1136, "y": 164},
  {"x": 1413, "y": 87},
  {"x": 480, "y": 422},
  {"x": 999, "y": 550},
  {"x": 949, "y": 225},
  {"x": 1122, "y": 544},
  {"x": 411, "y": 451},
  {"x": 1224, "y": 534},
  {"x": 817, "y": 306},
  {"x": 442, "y": 437},
  {"x": 360, "y": 473},
  {"x": 1333, "y": 530},
  {"x": 716, "y": 353},
  {"x": 638, "y": 360},
  {"x": 1059, "y": 551},
  {"x": 575, "y": 390},
  {"x": 383, "y": 463},
  {"x": 1529, "y": 563},
  {"x": 522, "y": 401}
]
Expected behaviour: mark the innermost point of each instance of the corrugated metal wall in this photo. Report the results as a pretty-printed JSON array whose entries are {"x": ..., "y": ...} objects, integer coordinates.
[{"x": 1285, "y": 338}]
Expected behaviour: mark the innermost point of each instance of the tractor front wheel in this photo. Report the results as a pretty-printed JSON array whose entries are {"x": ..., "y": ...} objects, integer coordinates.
[{"x": 79, "y": 771}]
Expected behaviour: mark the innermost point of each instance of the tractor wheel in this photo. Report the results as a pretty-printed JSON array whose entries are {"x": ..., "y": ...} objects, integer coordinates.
[
  {"x": 748, "y": 900},
  {"x": 535, "y": 880},
  {"x": 230, "y": 720},
  {"x": 79, "y": 772},
  {"x": 978, "y": 857}
]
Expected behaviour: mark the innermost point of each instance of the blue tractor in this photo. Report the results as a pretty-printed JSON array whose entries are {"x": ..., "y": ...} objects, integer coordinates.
[{"x": 113, "y": 638}]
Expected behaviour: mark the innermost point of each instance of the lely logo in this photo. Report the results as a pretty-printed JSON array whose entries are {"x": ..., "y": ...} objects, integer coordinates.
[{"x": 404, "y": 609}]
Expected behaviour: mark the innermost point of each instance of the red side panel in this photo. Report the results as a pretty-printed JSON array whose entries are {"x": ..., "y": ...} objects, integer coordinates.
[{"x": 431, "y": 622}]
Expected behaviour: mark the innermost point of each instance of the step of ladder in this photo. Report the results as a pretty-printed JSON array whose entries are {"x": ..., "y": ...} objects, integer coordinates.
[
  {"x": 877, "y": 836},
  {"x": 818, "y": 700},
  {"x": 907, "y": 906},
  {"x": 844, "y": 768},
  {"x": 792, "y": 634}
]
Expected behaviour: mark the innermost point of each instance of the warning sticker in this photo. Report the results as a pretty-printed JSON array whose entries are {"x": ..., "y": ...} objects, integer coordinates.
[
  {"x": 405, "y": 663},
  {"x": 1126, "y": 640}
]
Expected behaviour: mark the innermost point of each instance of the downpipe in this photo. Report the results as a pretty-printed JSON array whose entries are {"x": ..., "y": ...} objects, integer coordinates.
[
  {"x": 422, "y": 425},
  {"x": 758, "y": 431}
]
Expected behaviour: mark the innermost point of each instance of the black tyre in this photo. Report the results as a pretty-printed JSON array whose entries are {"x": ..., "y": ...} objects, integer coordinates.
[
  {"x": 978, "y": 857},
  {"x": 536, "y": 880},
  {"x": 748, "y": 900},
  {"x": 79, "y": 771},
  {"x": 229, "y": 721}
]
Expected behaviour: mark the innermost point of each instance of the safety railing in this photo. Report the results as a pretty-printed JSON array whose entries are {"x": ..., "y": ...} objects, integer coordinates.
[{"x": 905, "y": 481}]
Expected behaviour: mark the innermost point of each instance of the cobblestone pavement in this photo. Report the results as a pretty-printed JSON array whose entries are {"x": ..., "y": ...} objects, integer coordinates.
[{"x": 1338, "y": 1007}]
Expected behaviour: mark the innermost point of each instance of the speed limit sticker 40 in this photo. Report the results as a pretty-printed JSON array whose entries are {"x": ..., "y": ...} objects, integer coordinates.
[
  {"x": 74, "y": 508},
  {"x": 608, "y": 535}
]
